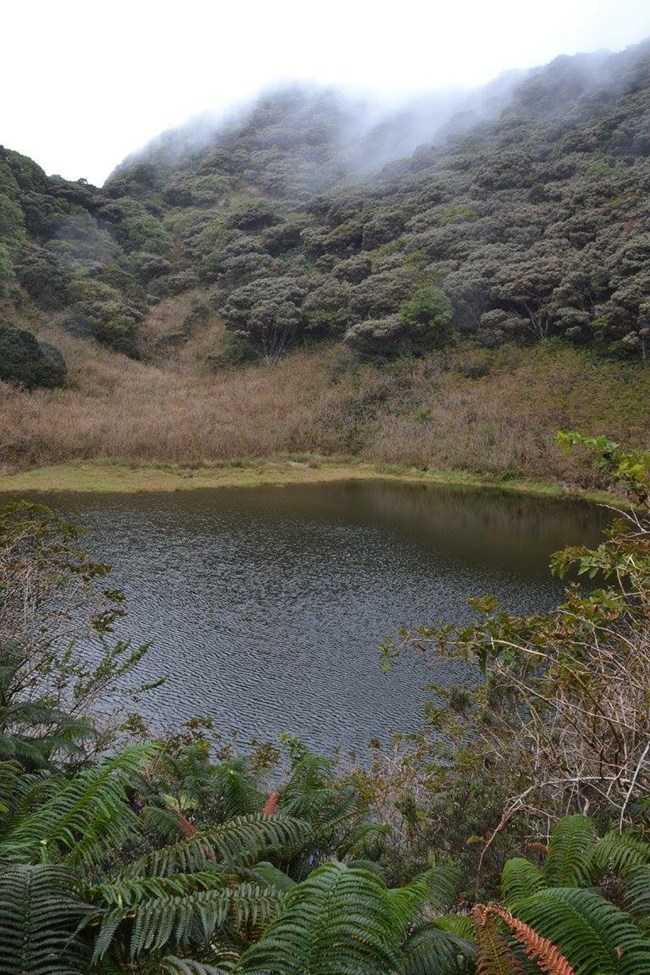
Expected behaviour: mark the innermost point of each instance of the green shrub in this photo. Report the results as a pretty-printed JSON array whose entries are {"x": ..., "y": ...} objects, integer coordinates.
[{"x": 27, "y": 362}]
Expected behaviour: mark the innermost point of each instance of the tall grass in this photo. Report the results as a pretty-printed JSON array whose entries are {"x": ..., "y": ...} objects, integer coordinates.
[{"x": 493, "y": 412}]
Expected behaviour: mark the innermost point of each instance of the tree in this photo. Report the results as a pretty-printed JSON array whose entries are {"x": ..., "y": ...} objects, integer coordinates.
[
  {"x": 52, "y": 599},
  {"x": 426, "y": 317},
  {"x": 267, "y": 313},
  {"x": 559, "y": 720}
]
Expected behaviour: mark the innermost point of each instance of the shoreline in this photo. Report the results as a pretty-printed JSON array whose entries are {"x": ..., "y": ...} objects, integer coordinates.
[{"x": 106, "y": 477}]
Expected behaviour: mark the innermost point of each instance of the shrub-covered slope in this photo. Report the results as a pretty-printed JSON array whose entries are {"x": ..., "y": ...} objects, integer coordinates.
[{"x": 532, "y": 224}]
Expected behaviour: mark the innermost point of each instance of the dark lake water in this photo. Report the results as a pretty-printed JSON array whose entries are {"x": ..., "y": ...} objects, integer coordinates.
[{"x": 266, "y": 606}]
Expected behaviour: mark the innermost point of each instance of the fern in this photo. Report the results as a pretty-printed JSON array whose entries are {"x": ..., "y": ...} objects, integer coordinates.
[
  {"x": 520, "y": 878},
  {"x": 88, "y": 814},
  {"x": 238, "y": 795},
  {"x": 237, "y": 842},
  {"x": 269, "y": 874},
  {"x": 438, "y": 888},
  {"x": 180, "y": 920},
  {"x": 171, "y": 965},
  {"x": 127, "y": 892},
  {"x": 430, "y": 950},
  {"x": 494, "y": 955},
  {"x": 637, "y": 894},
  {"x": 337, "y": 921},
  {"x": 617, "y": 854},
  {"x": 595, "y": 936},
  {"x": 39, "y": 919},
  {"x": 461, "y": 925},
  {"x": 548, "y": 958},
  {"x": 569, "y": 852}
]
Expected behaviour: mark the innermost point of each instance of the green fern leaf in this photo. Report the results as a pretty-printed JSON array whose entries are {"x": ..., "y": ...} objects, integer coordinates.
[
  {"x": 637, "y": 894},
  {"x": 337, "y": 922},
  {"x": 189, "y": 919},
  {"x": 86, "y": 815},
  {"x": 595, "y": 936},
  {"x": 171, "y": 965},
  {"x": 433, "y": 951},
  {"x": 237, "y": 842},
  {"x": 39, "y": 919},
  {"x": 569, "y": 853},
  {"x": 520, "y": 878},
  {"x": 617, "y": 854}
]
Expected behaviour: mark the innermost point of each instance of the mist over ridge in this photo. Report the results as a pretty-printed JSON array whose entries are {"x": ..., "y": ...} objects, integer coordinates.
[{"x": 362, "y": 131}]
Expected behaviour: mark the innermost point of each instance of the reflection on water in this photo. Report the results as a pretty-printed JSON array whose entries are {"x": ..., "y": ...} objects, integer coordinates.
[{"x": 266, "y": 605}]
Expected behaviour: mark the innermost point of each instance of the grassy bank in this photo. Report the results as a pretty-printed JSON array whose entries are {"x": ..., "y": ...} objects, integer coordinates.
[
  {"x": 491, "y": 412},
  {"x": 97, "y": 477}
]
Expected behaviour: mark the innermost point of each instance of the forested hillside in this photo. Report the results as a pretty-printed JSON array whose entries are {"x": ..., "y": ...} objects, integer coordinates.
[
  {"x": 225, "y": 247},
  {"x": 535, "y": 224}
]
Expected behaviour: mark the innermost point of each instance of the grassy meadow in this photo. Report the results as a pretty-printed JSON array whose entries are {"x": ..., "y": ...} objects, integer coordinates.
[{"x": 489, "y": 413}]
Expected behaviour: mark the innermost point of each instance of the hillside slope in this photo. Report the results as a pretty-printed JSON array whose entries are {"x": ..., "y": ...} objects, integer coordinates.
[{"x": 451, "y": 309}]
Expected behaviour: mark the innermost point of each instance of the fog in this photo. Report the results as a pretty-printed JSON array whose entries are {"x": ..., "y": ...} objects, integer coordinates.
[
  {"x": 87, "y": 84},
  {"x": 365, "y": 130}
]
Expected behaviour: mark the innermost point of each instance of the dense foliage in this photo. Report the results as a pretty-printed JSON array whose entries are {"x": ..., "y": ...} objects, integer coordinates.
[
  {"x": 532, "y": 223},
  {"x": 527, "y": 224},
  {"x": 172, "y": 857},
  {"x": 27, "y": 362}
]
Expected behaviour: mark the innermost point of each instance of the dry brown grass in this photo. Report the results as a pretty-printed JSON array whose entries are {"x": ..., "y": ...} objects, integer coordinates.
[
  {"x": 428, "y": 414},
  {"x": 504, "y": 422}
]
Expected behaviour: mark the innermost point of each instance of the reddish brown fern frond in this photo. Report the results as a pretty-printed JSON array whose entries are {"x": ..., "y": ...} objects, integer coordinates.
[
  {"x": 494, "y": 955},
  {"x": 543, "y": 952},
  {"x": 189, "y": 829},
  {"x": 538, "y": 847},
  {"x": 272, "y": 804}
]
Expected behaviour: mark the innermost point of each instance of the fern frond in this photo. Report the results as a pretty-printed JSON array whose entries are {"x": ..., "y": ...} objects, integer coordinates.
[
  {"x": 88, "y": 814},
  {"x": 11, "y": 777},
  {"x": 543, "y": 952},
  {"x": 569, "y": 852},
  {"x": 171, "y": 965},
  {"x": 163, "y": 824},
  {"x": 127, "y": 892},
  {"x": 433, "y": 951},
  {"x": 360, "y": 840},
  {"x": 271, "y": 875},
  {"x": 617, "y": 854},
  {"x": 520, "y": 878},
  {"x": 594, "y": 935},
  {"x": 437, "y": 888},
  {"x": 637, "y": 894},
  {"x": 187, "y": 919},
  {"x": 337, "y": 921},
  {"x": 238, "y": 795},
  {"x": 39, "y": 919},
  {"x": 494, "y": 956},
  {"x": 461, "y": 925},
  {"x": 237, "y": 842}
]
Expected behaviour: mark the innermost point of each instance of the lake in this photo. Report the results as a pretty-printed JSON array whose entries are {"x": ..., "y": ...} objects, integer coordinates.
[{"x": 266, "y": 606}]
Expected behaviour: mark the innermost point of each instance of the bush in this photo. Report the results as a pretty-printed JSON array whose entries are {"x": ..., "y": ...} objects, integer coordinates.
[
  {"x": 426, "y": 317},
  {"x": 44, "y": 278},
  {"x": 376, "y": 336},
  {"x": 100, "y": 312},
  {"x": 27, "y": 362},
  {"x": 6, "y": 268}
]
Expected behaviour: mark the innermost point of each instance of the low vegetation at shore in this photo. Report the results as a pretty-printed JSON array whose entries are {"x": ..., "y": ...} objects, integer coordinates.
[{"x": 466, "y": 409}]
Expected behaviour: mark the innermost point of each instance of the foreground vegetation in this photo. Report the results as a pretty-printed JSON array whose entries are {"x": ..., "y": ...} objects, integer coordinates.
[{"x": 510, "y": 836}]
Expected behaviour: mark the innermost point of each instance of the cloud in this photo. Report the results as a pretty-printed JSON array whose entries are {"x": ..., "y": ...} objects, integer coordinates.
[{"x": 90, "y": 82}]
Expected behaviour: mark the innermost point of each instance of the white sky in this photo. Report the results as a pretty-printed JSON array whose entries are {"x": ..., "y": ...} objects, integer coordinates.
[{"x": 85, "y": 83}]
